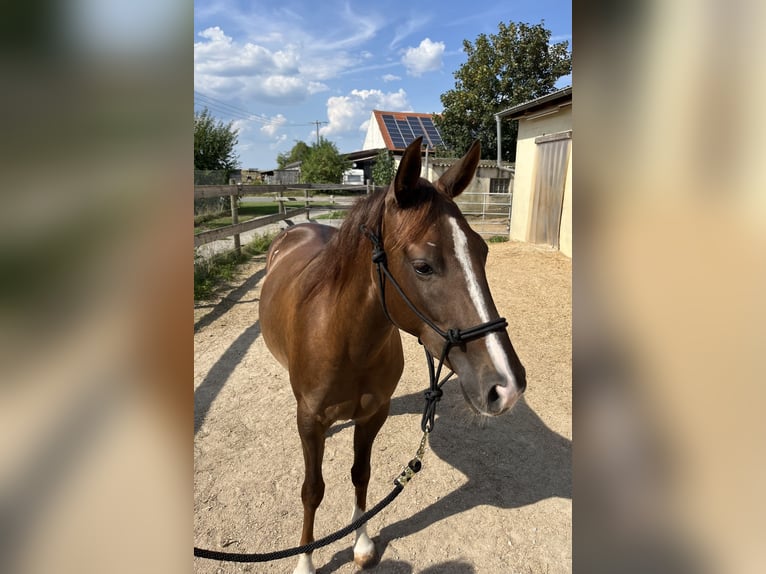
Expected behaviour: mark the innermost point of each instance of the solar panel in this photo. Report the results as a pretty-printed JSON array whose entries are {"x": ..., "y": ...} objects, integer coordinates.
[
  {"x": 417, "y": 129},
  {"x": 404, "y": 128},
  {"x": 393, "y": 132}
]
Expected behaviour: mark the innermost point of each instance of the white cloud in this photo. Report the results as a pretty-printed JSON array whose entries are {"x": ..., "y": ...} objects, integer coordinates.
[
  {"x": 274, "y": 124},
  {"x": 391, "y": 78},
  {"x": 409, "y": 26},
  {"x": 351, "y": 113},
  {"x": 225, "y": 67},
  {"x": 427, "y": 57},
  {"x": 278, "y": 142},
  {"x": 316, "y": 87},
  {"x": 241, "y": 126}
]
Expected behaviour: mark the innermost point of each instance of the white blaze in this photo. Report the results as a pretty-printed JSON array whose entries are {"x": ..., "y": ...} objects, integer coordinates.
[{"x": 496, "y": 353}]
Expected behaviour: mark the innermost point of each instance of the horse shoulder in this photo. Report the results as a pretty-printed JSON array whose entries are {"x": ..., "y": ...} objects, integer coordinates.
[{"x": 281, "y": 308}]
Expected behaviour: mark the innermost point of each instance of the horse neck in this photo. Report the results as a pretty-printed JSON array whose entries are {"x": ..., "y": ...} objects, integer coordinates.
[{"x": 353, "y": 277}]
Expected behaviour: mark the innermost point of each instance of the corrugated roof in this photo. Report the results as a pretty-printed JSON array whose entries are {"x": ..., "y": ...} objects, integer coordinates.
[{"x": 518, "y": 111}]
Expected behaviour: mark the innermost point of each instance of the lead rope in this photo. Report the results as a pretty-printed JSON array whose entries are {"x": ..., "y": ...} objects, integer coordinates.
[{"x": 412, "y": 468}]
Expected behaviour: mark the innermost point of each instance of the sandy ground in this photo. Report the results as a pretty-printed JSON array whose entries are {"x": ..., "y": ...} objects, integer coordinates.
[{"x": 494, "y": 495}]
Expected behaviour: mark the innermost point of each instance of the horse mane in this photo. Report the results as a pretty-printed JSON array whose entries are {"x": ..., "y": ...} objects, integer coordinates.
[{"x": 350, "y": 250}]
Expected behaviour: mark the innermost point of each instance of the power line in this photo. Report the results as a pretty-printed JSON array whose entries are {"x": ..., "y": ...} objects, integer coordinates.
[
  {"x": 232, "y": 110},
  {"x": 236, "y": 112}
]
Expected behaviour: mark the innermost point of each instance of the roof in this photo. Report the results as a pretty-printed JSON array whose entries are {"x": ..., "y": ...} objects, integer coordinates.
[
  {"x": 363, "y": 154},
  {"x": 559, "y": 97},
  {"x": 450, "y": 161},
  {"x": 400, "y": 128}
]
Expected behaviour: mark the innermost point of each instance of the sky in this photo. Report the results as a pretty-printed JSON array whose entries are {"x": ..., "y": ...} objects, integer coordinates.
[{"x": 276, "y": 68}]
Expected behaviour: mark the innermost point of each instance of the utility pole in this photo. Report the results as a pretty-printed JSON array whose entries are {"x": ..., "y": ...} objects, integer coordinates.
[{"x": 318, "y": 123}]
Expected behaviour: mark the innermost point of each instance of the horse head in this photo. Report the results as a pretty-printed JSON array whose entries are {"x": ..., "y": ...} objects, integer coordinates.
[{"x": 439, "y": 263}]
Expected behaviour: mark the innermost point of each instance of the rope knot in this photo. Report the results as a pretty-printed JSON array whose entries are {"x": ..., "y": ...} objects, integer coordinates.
[
  {"x": 454, "y": 336},
  {"x": 378, "y": 255},
  {"x": 433, "y": 395}
]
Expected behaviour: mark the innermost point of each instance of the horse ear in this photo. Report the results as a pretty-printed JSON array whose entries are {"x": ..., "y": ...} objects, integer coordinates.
[
  {"x": 456, "y": 178},
  {"x": 408, "y": 174}
]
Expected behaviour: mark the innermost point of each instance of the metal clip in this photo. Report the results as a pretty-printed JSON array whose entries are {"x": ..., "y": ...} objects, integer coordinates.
[{"x": 414, "y": 466}]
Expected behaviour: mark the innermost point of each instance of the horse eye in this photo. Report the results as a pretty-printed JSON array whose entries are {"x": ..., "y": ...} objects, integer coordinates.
[{"x": 422, "y": 268}]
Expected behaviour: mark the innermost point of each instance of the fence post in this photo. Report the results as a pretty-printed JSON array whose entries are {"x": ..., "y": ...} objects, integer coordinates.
[
  {"x": 235, "y": 220},
  {"x": 369, "y": 186},
  {"x": 307, "y": 203},
  {"x": 280, "y": 195}
]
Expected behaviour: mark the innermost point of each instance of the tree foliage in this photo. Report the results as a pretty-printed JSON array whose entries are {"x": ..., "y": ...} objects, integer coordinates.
[
  {"x": 299, "y": 153},
  {"x": 384, "y": 169},
  {"x": 324, "y": 164},
  {"x": 214, "y": 144},
  {"x": 214, "y": 158},
  {"x": 505, "y": 69}
]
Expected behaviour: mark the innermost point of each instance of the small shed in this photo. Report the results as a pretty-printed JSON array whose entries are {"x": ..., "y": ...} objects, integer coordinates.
[{"x": 542, "y": 187}]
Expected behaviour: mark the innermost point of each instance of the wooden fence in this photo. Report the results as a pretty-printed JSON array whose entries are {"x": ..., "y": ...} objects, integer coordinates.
[{"x": 236, "y": 191}]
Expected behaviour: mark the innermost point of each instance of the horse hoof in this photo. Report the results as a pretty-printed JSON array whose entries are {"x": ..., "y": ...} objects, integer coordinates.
[
  {"x": 366, "y": 560},
  {"x": 305, "y": 565}
]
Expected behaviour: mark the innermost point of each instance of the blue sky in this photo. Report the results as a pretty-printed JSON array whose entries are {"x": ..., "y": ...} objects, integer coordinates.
[{"x": 274, "y": 68}]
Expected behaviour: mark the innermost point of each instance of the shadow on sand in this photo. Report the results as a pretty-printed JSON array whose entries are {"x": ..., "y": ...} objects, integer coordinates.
[{"x": 517, "y": 451}]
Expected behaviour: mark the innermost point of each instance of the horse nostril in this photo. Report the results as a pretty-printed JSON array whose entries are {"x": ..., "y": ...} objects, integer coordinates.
[{"x": 493, "y": 395}]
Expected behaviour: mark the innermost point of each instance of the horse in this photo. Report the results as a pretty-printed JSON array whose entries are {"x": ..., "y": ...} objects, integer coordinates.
[{"x": 328, "y": 319}]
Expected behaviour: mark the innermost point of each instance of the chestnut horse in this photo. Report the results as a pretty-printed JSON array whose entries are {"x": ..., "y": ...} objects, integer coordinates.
[{"x": 324, "y": 317}]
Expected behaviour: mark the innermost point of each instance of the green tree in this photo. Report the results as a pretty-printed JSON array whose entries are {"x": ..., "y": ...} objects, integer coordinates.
[
  {"x": 511, "y": 67},
  {"x": 214, "y": 144},
  {"x": 384, "y": 169},
  {"x": 214, "y": 158},
  {"x": 298, "y": 153},
  {"x": 324, "y": 164}
]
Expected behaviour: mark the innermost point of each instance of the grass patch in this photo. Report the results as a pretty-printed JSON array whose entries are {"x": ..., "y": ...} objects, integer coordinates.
[
  {"x": 246, "y": 211},
  {"x": 205, "y": 217},
  {"x": 497, "y": 239},
  {"x": 211, "y": 273},
  {"x": 333, "y": 215}
]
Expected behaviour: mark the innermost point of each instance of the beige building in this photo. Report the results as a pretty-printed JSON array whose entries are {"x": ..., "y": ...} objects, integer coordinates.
[{"x": 542, "y": 187}]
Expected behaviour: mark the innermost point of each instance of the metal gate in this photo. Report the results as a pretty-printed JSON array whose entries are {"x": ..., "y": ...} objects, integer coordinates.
[{"x": 489, "y": 214}]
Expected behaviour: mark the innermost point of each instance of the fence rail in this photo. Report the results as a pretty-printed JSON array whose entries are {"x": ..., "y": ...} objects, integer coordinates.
[
  {"x": 208, "y": 191},
  {"x": 234, "y": 192},
  {"x": 236, "y": 229},
  {"x": 488, "y": 214}
]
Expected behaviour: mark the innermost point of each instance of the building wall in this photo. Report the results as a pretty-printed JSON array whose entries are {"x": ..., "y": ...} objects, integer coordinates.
[
  {"x": 284, "y": 176},
  {"x": 373, "y": 139},
  {"x": 480, "y": 182},
  {"x": 523, "y": 185}
]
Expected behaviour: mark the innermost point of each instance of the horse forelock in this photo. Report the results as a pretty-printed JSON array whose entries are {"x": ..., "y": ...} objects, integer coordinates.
[
  {"x": 410, "y": 224},
  {"x": 350, "y": 249}
]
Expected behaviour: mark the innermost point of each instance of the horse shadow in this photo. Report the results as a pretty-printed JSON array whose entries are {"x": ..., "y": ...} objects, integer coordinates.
[
  {"x": 516, "y": 452},
  {"x": 219, "y": 373}
]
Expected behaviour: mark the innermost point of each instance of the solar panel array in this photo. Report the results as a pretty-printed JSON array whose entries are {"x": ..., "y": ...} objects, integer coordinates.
[{"x": 405, "y": 128}]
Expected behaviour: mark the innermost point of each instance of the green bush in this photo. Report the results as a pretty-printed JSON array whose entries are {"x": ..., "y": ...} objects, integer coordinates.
[{"x": 211, "y": 273}]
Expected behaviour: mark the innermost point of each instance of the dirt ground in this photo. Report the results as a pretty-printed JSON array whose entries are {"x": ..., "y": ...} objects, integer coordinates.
[{"x": 494, "y": 495}]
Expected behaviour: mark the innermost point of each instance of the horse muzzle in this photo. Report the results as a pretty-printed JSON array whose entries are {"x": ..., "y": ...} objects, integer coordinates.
[{"x": 493, "y": 395}]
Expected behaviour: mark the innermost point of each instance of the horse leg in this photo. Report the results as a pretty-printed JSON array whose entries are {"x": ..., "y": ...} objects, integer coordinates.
[
  {"x": 312, "y": 436},
  {"x": 364, "y": 435}
]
